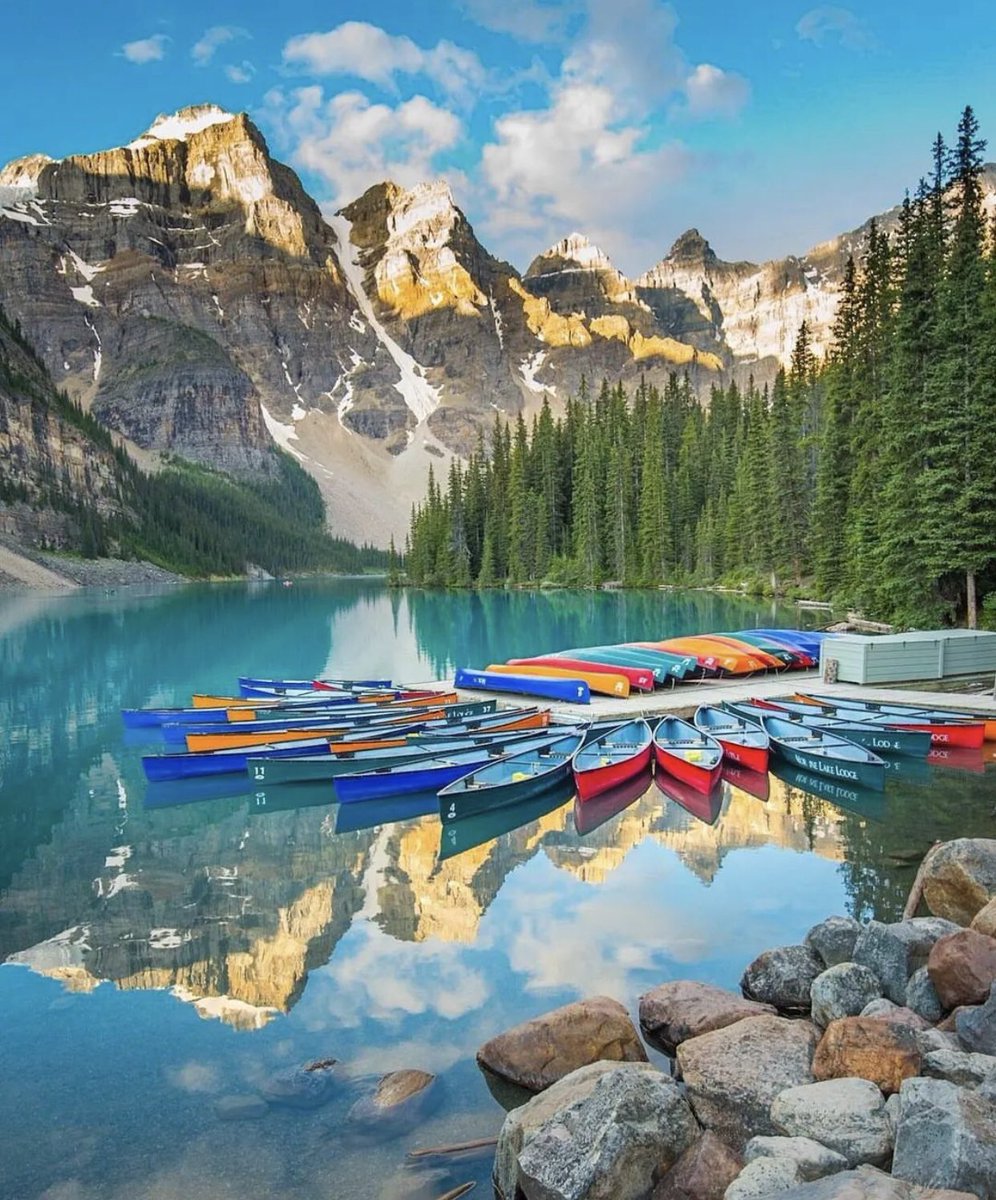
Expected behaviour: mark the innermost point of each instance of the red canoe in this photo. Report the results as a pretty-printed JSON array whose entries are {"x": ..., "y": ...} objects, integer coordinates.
[
  {"x": 640, "y": 679},
  {"x": 612, "y": 759},
  {"x": 742, "y": 741},
  {"x": 690, "y": 756}
]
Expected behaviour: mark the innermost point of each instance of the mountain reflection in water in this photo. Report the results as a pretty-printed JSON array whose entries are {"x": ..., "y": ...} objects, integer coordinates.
[{"x": 237, "y": 931}]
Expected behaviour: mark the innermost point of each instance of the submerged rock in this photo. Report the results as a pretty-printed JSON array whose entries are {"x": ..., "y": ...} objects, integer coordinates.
[
  {"x": 848, "y": 1115},
  {"x": 309, "y": 1086},
  {"x": 537, "y": 1053},
  {"x": 733, "y": 1074},
  {"x": 399, "y": 1102},
  {"x": 240, "y": 1108},
  {"x": 782, "y": 977},
  {"x": 674, "y": 1012}
]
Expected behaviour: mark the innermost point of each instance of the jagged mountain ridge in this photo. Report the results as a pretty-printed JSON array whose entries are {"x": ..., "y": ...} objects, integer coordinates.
[{"x": 187, "y": 290}]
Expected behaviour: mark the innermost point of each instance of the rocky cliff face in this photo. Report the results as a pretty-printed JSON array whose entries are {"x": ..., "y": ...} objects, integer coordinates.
[{"x": 188, "y": 291}]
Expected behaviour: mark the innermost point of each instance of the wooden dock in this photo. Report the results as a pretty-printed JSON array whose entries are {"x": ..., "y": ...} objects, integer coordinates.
[{"x": 683, "y": 699}]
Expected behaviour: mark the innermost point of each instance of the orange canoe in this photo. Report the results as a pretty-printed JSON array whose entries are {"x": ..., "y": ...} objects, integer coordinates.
[
  {"x": 712, "y": 654},
  {"x": 606, "y": 682},
  {"x": 239, "y": 739},
  {"x": 769, "y": 660}
]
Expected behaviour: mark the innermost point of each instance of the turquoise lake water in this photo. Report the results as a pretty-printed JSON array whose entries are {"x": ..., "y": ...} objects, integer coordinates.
[{"x": 164, "y": 951}]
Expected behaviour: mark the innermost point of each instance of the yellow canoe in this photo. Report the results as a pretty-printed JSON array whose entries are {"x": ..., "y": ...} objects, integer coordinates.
[{"x": 605, "y": 682}]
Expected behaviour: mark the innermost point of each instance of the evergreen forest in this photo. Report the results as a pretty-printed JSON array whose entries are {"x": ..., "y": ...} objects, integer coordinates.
[{"x": 867, "y": 478}]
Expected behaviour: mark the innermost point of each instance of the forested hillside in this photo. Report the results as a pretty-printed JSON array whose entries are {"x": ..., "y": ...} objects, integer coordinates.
[
  {"x": 64, "y": 485},
  {"x": 868, "y": 478}
]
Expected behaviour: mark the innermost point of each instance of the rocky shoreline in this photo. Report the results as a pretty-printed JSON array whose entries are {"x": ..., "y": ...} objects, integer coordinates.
[
  {"x": 857, "y": 1065},
  {"x": 26, "y": 569}
]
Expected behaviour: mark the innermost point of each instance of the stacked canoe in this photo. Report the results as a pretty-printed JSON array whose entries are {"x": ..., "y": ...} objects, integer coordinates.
[{"x": 574, "y": 675}]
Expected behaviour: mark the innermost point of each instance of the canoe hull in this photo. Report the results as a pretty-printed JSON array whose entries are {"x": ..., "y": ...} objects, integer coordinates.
[
  {"x": 751, "y": 758},
  {"x": 641, "y": 679},
  {"x": 570, "y": 690},
  {"x": 867, "y": 775},
  {"x": 469, "y": 805},
  {"x": 703, "y": 779},
  {"x": 589, "y": 784}
]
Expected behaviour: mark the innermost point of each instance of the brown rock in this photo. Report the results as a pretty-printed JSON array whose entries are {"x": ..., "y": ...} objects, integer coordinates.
[
  {"x": 399, "y": 1086},
  {"x": 537, "y": 1053},
  {"x": 984, "y": 920},
  {"x": 703, "y": 1172},
  {"x": 884, "y": 1052},
  {"x": 674, "y": 1012},
  {"x": 732, "y": 1075},
  {"x": 962, "y": 967},
  {"x": 961, "y": 878}
]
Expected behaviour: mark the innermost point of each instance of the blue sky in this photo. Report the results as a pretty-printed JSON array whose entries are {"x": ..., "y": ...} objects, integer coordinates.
[{"x": 770, "y": 127}]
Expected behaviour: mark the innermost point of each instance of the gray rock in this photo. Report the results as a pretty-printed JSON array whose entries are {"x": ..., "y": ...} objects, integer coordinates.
[
  {"x": 301, "y": 1087},
  {"x": 976, "y": 1027},
  {"x": 892, "y": 1111},
  {"x": 832, "y": 940},
  {"x": 240, "y": 1108},
  {"x": 946, "y": 1137},
  {"x": 895, "y": 951},
  {"x": 813, "y": 1159},
  {"x": 848, "y": 1115},
  {"x": 922, "y": 998},
  {"x": 895, "y": 1014},
  {"x": 764, "y": 1177},
  {"x": 733, "y": 1074},
  {"x": 613, "y": 1144},
  {"x": 930, "y": 1040},
  {"x": 843, "y": 990},
  {"x": 782, "y": 977},
  {"x": 959, "y": 1067},
  {"x": 522, "y": 1123},
  {"x": 867, "y": 1183}
]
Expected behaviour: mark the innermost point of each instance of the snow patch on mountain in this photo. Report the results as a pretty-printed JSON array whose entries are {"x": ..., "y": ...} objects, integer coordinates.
[
  {"x": 180, "y": 125},
  {"x": 418, "y": 394}
]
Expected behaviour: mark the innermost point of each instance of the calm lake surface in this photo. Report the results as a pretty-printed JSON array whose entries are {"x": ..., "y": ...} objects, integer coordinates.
[{"x": 161, "y": 955}]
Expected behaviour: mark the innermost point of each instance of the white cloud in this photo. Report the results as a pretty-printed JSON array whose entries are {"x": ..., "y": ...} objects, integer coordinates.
[
  {"x": 240, "y": 72},
  {"x": 146, "y": 50},
  {"x": 352, "y": 143},
  {"x": 204, "y": 49},
  {"x": 713, "y": 92},
  {"x": 371, "y": 53},
  {"x": 829, "y": 23},
  {"x": 527, "y": 20}
]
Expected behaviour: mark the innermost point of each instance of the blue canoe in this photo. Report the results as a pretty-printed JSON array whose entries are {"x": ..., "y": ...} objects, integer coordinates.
[
  {"x": 431, "y": 774},
  {"x": 808, "y": 641},
  {"x": 307, "y": 685},
  {"x": 574, "y": 691}
]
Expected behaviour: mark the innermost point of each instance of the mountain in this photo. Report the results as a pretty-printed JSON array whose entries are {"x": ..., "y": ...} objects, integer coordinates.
[{"x": 186, "y": 291}]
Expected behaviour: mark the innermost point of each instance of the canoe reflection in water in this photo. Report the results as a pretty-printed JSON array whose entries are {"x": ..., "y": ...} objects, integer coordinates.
[
  {"x": 464, "y": 834},
  {"x": 591, "y": 814},
  {"x": 704, "y": 806}
]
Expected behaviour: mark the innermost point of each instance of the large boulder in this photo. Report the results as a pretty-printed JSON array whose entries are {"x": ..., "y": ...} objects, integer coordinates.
[
  {"x": 733, "y": 1074},
  {"x": 984, "y": 920},
  {"x": 674, "y": 1012},
  {"x": 848, "y": 1115},
  {"x": 399, "y": 1101},
  {"x": 612, "y": 1145},
  {"x": 922, "y": 997},
  {"x": 962, "y": 967},
  {"x": 832, "y": 940},
  {"x": 867, "y": 1048},
  {"x": 959, "y": 1067},
  {"x": 522, "y": 1123},
  {"x": 842, "y": 990},
  {"x": 704, "y": 1171},
  {"x": 782, "y": 977},
  {"x": 946, "y": 1137},
  {"x": 539, "y": 1052},
  {"x": 867, "y": 1183},
  {"x": 895, "y": 951},
  {"x": 960, "y": 878},
  {"x": 976, "y": 1026},
  {"x": 764, "y": 1177},
  {"x": 813, "y": 1159},
  {"x": 895, "y": 1014}
]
